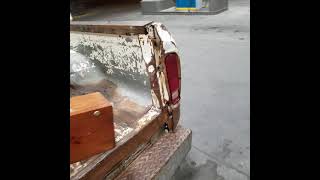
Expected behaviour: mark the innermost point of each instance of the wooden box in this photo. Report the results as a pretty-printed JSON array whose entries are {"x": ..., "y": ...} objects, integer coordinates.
[{"x": 91, "y": 126}]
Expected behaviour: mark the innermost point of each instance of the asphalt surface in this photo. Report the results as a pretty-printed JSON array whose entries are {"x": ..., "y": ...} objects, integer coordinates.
[{"x": 215, "y": 54}]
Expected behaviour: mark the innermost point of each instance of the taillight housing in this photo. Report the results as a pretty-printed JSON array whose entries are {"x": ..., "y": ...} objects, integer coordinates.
[{"x": 172, "y": 63}]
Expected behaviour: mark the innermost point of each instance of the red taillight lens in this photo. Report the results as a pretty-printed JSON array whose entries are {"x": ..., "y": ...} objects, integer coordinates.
[{"x": 172, "y": 68}]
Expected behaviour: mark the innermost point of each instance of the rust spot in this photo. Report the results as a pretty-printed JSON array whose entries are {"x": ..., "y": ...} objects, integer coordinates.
[{"x": 128, "y": 39}]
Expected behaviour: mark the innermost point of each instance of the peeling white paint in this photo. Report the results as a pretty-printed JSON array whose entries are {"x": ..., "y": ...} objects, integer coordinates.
[
  {"x": 164, "y": 34},
  {"x": 151, "y": 69},
  {"x": 169, "y": 44},
  {"x": 146, "y": 47},
  {"x": 121, "y": 131},
  {"x": 163, "y": 87},
  {"x": 113, "y": 52},
  {"x": 152, "y": 113},
  {"x": 83, "y": 71},
  {"x": 79, "y": 63},
  {"x": 76, "y": 167},
  {"x": 169, "y": 47},
  {"x": 155, "y": 99}
]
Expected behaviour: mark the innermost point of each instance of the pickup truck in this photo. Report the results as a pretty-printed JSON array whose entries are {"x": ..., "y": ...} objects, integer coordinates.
[{"x": 136, "y": 66}]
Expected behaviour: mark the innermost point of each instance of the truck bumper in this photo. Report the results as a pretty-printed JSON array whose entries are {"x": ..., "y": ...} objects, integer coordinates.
[{"x": 161, "y": 160}]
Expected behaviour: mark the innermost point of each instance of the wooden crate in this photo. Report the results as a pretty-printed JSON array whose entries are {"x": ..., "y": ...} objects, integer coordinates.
[{"x": 91, "y": 126}]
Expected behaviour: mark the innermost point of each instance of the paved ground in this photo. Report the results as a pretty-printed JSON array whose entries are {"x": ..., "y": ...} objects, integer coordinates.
[{"x": 215, "y": 53}]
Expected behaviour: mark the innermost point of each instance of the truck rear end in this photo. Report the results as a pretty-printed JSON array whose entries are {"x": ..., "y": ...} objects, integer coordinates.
[{"x": 136, "y": 66}]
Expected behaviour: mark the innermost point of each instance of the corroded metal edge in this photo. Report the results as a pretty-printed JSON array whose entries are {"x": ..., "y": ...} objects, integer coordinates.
[
  {"x": 161, "y": 160},
  {"x": 165, "y": 44},
  {"x": 111, "y": 27}
]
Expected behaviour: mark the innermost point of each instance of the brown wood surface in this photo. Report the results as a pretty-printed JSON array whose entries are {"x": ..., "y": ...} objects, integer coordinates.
[{"x": 90, "y": 134}]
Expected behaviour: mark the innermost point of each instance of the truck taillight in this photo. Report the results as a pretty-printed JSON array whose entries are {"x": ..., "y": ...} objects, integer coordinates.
[{"x": 173, "y": 75}]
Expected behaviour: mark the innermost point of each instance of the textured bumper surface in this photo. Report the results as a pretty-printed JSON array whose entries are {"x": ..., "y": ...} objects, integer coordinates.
[{"x": 161, "y": 160}]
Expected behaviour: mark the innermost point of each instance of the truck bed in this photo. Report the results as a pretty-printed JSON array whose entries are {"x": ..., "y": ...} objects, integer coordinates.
[{"x": 119, "y": 60}]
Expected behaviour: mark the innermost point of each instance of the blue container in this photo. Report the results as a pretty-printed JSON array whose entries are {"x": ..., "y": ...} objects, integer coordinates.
[{"x": 186, "y": 5}]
